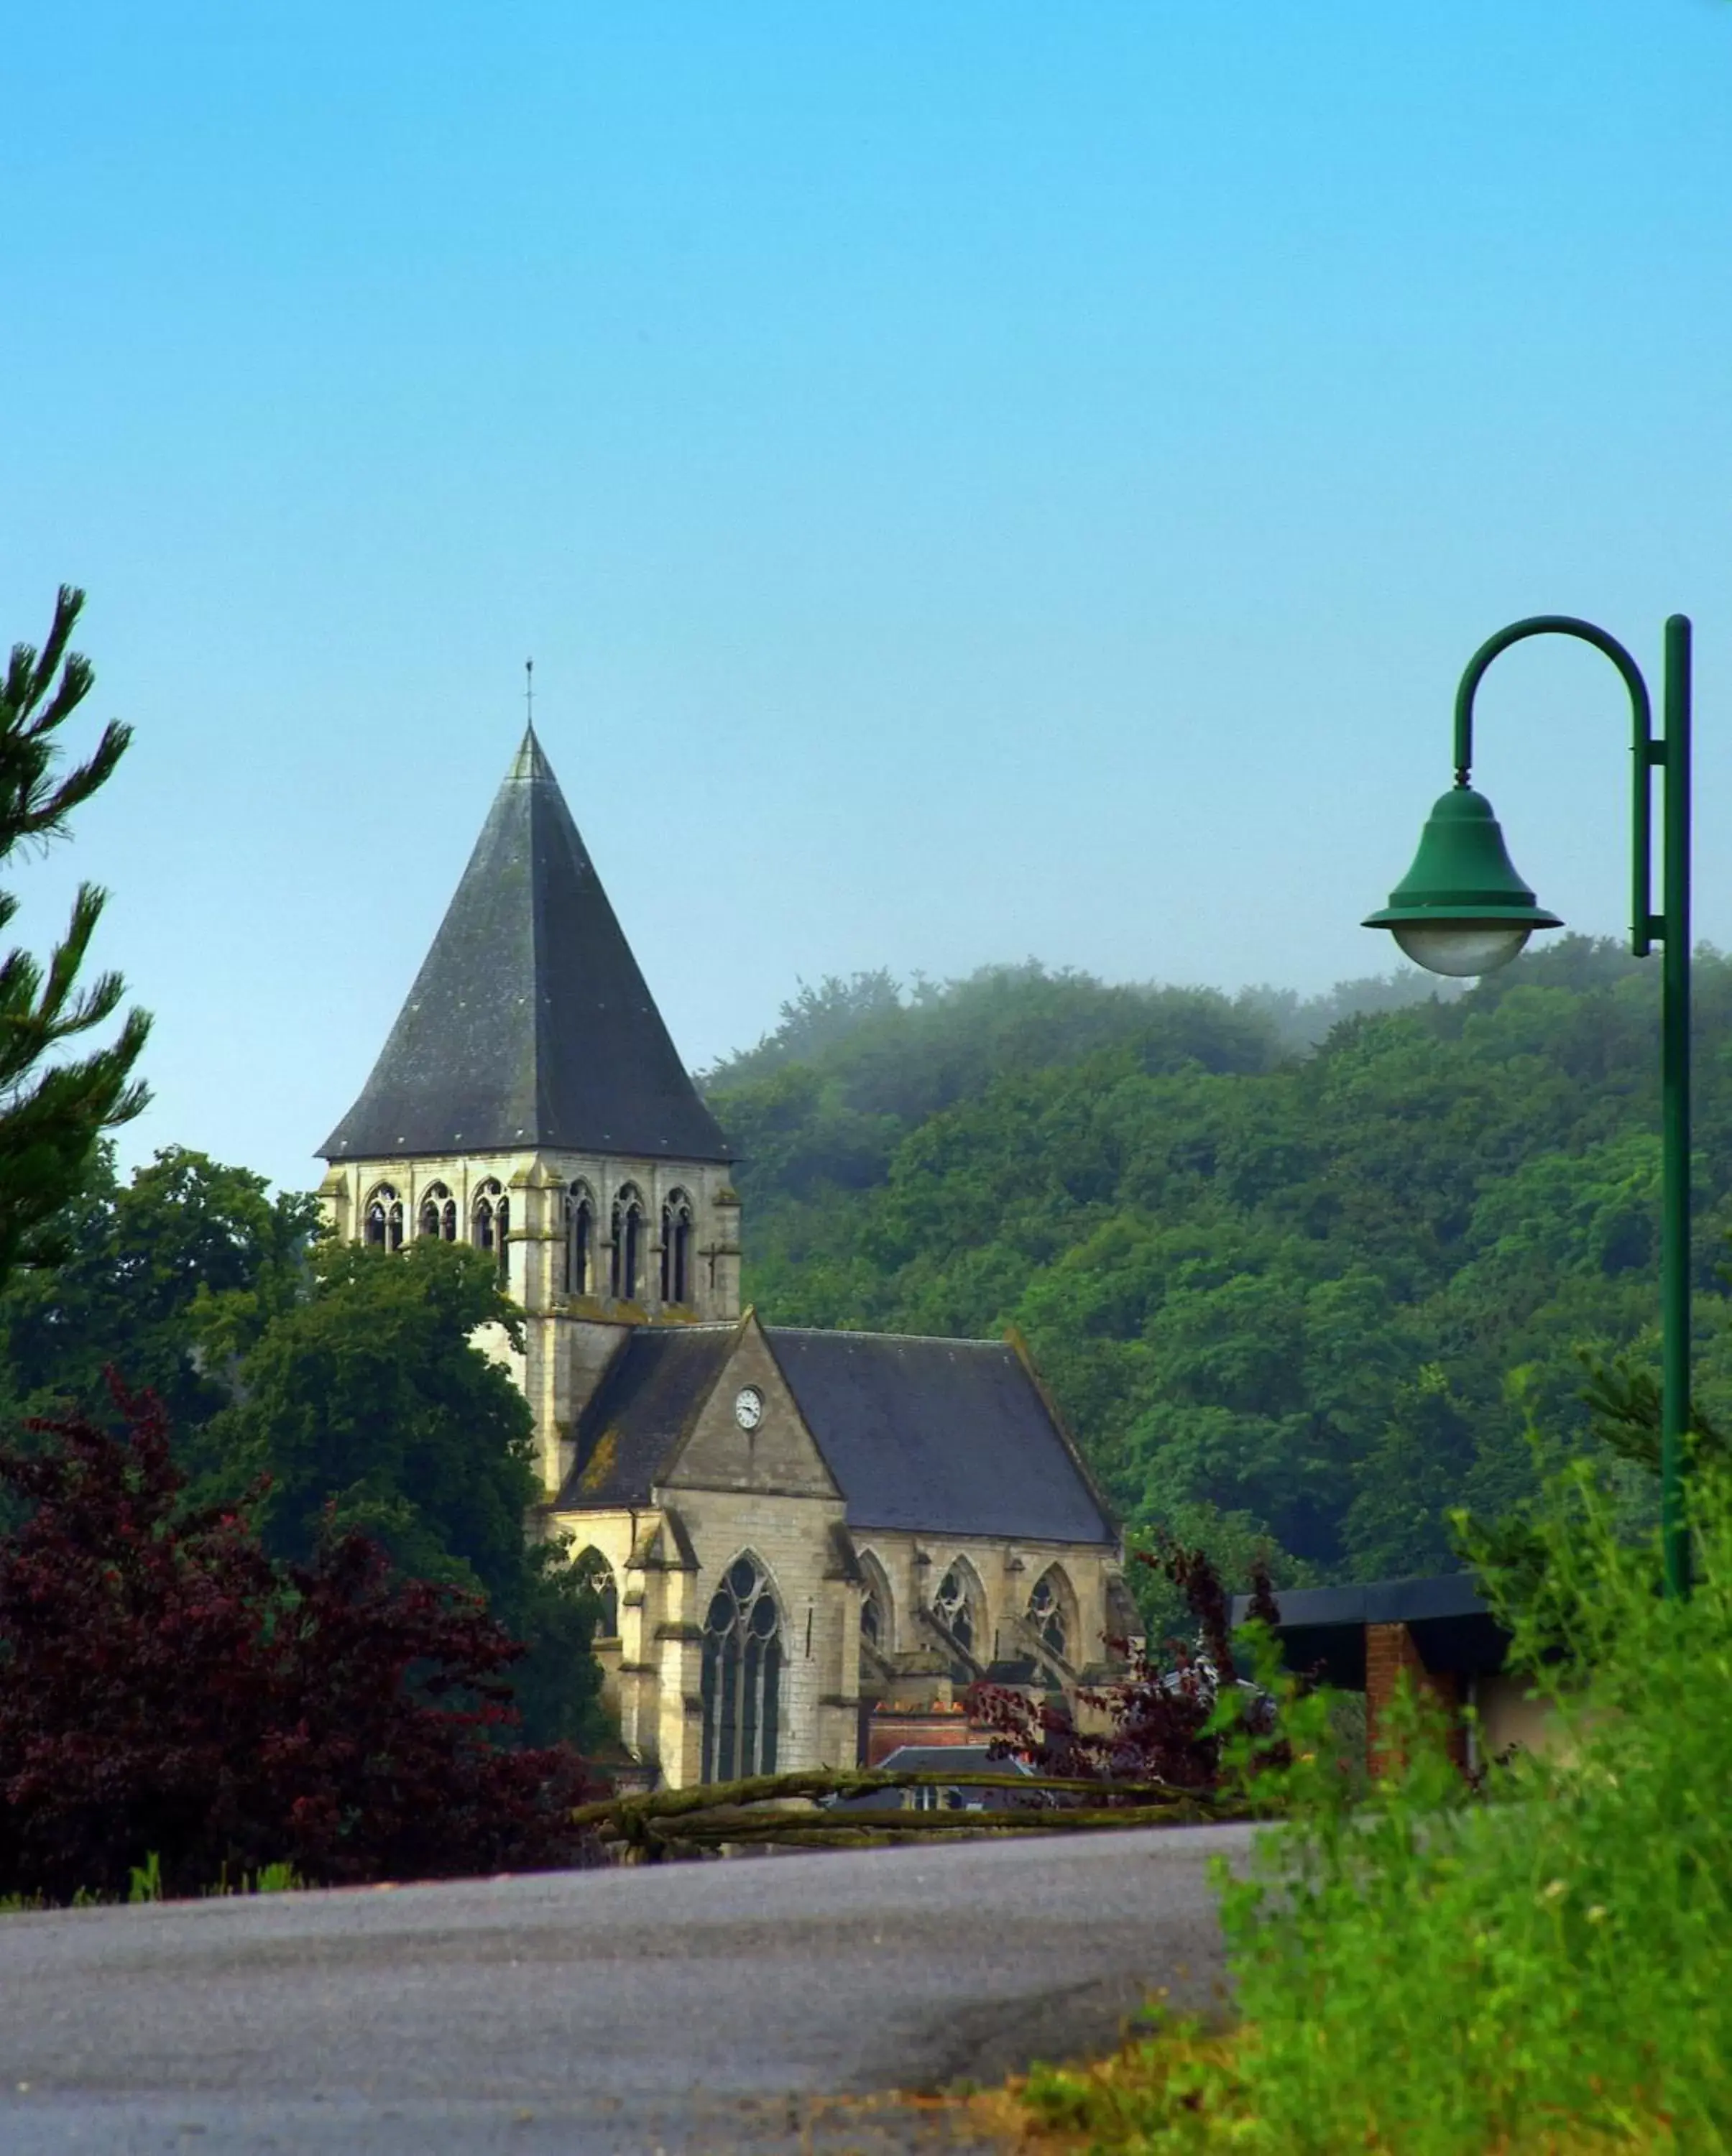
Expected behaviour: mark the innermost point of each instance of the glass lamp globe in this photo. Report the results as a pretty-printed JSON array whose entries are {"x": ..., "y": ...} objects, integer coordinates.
[
  {"x": 1461, "y": 909},
  {"x": 1460, "y": 948}
]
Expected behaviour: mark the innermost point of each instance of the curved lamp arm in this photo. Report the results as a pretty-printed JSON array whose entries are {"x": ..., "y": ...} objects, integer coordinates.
[
  {"x": 1642, "y": 924},
  {"x": 1672, "y": 925}
]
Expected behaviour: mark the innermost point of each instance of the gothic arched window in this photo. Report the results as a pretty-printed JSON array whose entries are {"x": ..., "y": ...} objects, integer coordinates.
[
  {"x": 957, "y": 1605},
  {"x": 1052, "y": 1610},
  {"x": 676, "y": 1248},
  {"x": 579, "y": 1241},
  {"x": 439, "y": 1213},
  {"x": 381, "y": 1224},
  {"x": 877, "y": 1608},
  {"x": 596, "y": 1574},
  {"x": 626, "y": 1275},
  {"x": 741, "y": 1684},
  {"x": 492, "y": 1220}
]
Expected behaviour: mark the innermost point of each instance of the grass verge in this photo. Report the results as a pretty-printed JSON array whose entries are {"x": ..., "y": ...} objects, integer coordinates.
[{"x": 1547, "y": 1968}]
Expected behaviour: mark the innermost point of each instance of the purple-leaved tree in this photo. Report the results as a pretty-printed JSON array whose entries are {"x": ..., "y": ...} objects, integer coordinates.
[{"x": 167, "y": 1686}]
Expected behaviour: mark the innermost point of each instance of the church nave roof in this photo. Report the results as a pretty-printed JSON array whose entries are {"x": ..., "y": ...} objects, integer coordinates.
[{"x": 938, "y": 1436}]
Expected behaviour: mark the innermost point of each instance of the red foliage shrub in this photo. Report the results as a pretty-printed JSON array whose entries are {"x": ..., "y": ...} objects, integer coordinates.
[
  {"x": 166, "y": 1685},
  {"x": 1152, "y": 1720}
]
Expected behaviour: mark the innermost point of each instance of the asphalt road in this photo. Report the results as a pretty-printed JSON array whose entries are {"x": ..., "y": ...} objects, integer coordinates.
[{"x": 768, "y": 2003}]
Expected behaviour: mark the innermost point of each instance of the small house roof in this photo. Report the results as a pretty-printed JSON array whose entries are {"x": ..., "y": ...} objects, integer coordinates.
[
  {"x": 1323, "y": 1628},
  {"x": 935, "y": 1759},
  {"x": 939, "y": 1759}
]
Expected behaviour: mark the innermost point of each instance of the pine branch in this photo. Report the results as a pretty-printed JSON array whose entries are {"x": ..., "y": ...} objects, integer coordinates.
[
  {"x": 1623, "y": 1402},
  {"x": 54, "y": 1107}
]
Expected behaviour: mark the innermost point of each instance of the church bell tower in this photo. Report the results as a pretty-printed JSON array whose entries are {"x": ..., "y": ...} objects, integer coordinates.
[{"x": 529, "y": 1101}]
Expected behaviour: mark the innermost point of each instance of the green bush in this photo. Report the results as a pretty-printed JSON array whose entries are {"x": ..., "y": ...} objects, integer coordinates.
[{"x": 1547, "y": 1968}]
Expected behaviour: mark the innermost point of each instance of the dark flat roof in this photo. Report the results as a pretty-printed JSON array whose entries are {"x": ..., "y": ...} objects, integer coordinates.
[
  {"x": 1376, "y": 1602},
  {"x": 1323, "y": 1628}
]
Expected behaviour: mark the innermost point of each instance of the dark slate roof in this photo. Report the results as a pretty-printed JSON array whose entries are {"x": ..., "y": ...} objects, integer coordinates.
[
  {"x": 949, "y": 1436},
  {"x": 529, "y": 1023},
  {"x": 643, "y": 1407},
  {"x": 943, "y": 1436}
]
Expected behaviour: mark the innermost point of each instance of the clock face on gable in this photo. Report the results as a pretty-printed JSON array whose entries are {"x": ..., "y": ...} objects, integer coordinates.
[{"x": 748, "y": 1407}]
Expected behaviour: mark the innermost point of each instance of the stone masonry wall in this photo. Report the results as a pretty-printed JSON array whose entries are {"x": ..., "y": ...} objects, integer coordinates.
[{"x": 655, "y": 1671}]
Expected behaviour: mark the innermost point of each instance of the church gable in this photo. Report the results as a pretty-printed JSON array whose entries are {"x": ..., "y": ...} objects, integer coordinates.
[{"x": 749, "y": 1434}]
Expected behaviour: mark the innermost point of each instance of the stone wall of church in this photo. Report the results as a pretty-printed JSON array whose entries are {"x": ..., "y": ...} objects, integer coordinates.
[
  {"x": 761, "y": 1491},
  {"x": 613, "y": 1537},
  {"x": 905, "y": 1573},
  {"x": 820, "y": 1609},
  {"x": 653, "y": 1668}
]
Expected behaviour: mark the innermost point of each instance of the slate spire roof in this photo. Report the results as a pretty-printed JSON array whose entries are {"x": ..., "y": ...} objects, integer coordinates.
[{"x": 529, "y": 1023}]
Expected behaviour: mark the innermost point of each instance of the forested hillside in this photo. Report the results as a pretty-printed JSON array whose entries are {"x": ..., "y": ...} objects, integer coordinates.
[{"x": 1307, "y": 1292}]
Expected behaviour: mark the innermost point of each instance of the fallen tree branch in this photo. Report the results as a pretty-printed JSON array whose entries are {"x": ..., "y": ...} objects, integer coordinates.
[
  {"x": 849, "y": 1781},
  {"x": 757, "y": 1826},
  {"x": 788, "y": 1809}
]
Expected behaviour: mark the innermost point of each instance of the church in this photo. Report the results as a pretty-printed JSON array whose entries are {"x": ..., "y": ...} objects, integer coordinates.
[{"x": 787, "y": 1529}]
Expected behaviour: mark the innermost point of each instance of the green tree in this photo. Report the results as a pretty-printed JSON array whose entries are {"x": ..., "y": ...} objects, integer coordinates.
[
  {"x": 54, "y": 1105},
  {"x": 367, "y": 1397},
  {"x": 368, "y": 1405},
  {"x": 1397, "y": 1523},
  {"x": 169, "y": 1278}
]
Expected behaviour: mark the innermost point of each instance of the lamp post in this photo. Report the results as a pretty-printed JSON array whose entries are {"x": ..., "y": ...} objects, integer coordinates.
[{"x": 1461, "y": 909}]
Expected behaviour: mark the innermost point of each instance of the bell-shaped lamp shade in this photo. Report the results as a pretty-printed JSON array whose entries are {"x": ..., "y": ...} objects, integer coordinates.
[{"x": 1461, "y": 909}]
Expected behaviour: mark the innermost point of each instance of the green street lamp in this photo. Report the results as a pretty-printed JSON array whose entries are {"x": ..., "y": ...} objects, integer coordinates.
[{"x": 1461, "y": 909}]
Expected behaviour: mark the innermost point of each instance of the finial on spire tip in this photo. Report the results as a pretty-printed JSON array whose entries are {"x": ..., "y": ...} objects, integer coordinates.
[{"x": 529, "y": 691}]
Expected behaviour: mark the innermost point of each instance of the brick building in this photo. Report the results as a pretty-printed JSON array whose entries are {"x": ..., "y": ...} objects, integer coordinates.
[
  {"x": 786, "y": 1527},
  {"x": 1439, "y": 1632}
]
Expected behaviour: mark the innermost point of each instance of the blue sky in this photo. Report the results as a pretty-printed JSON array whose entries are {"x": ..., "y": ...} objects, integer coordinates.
[{"x": 978, "y": 481}]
